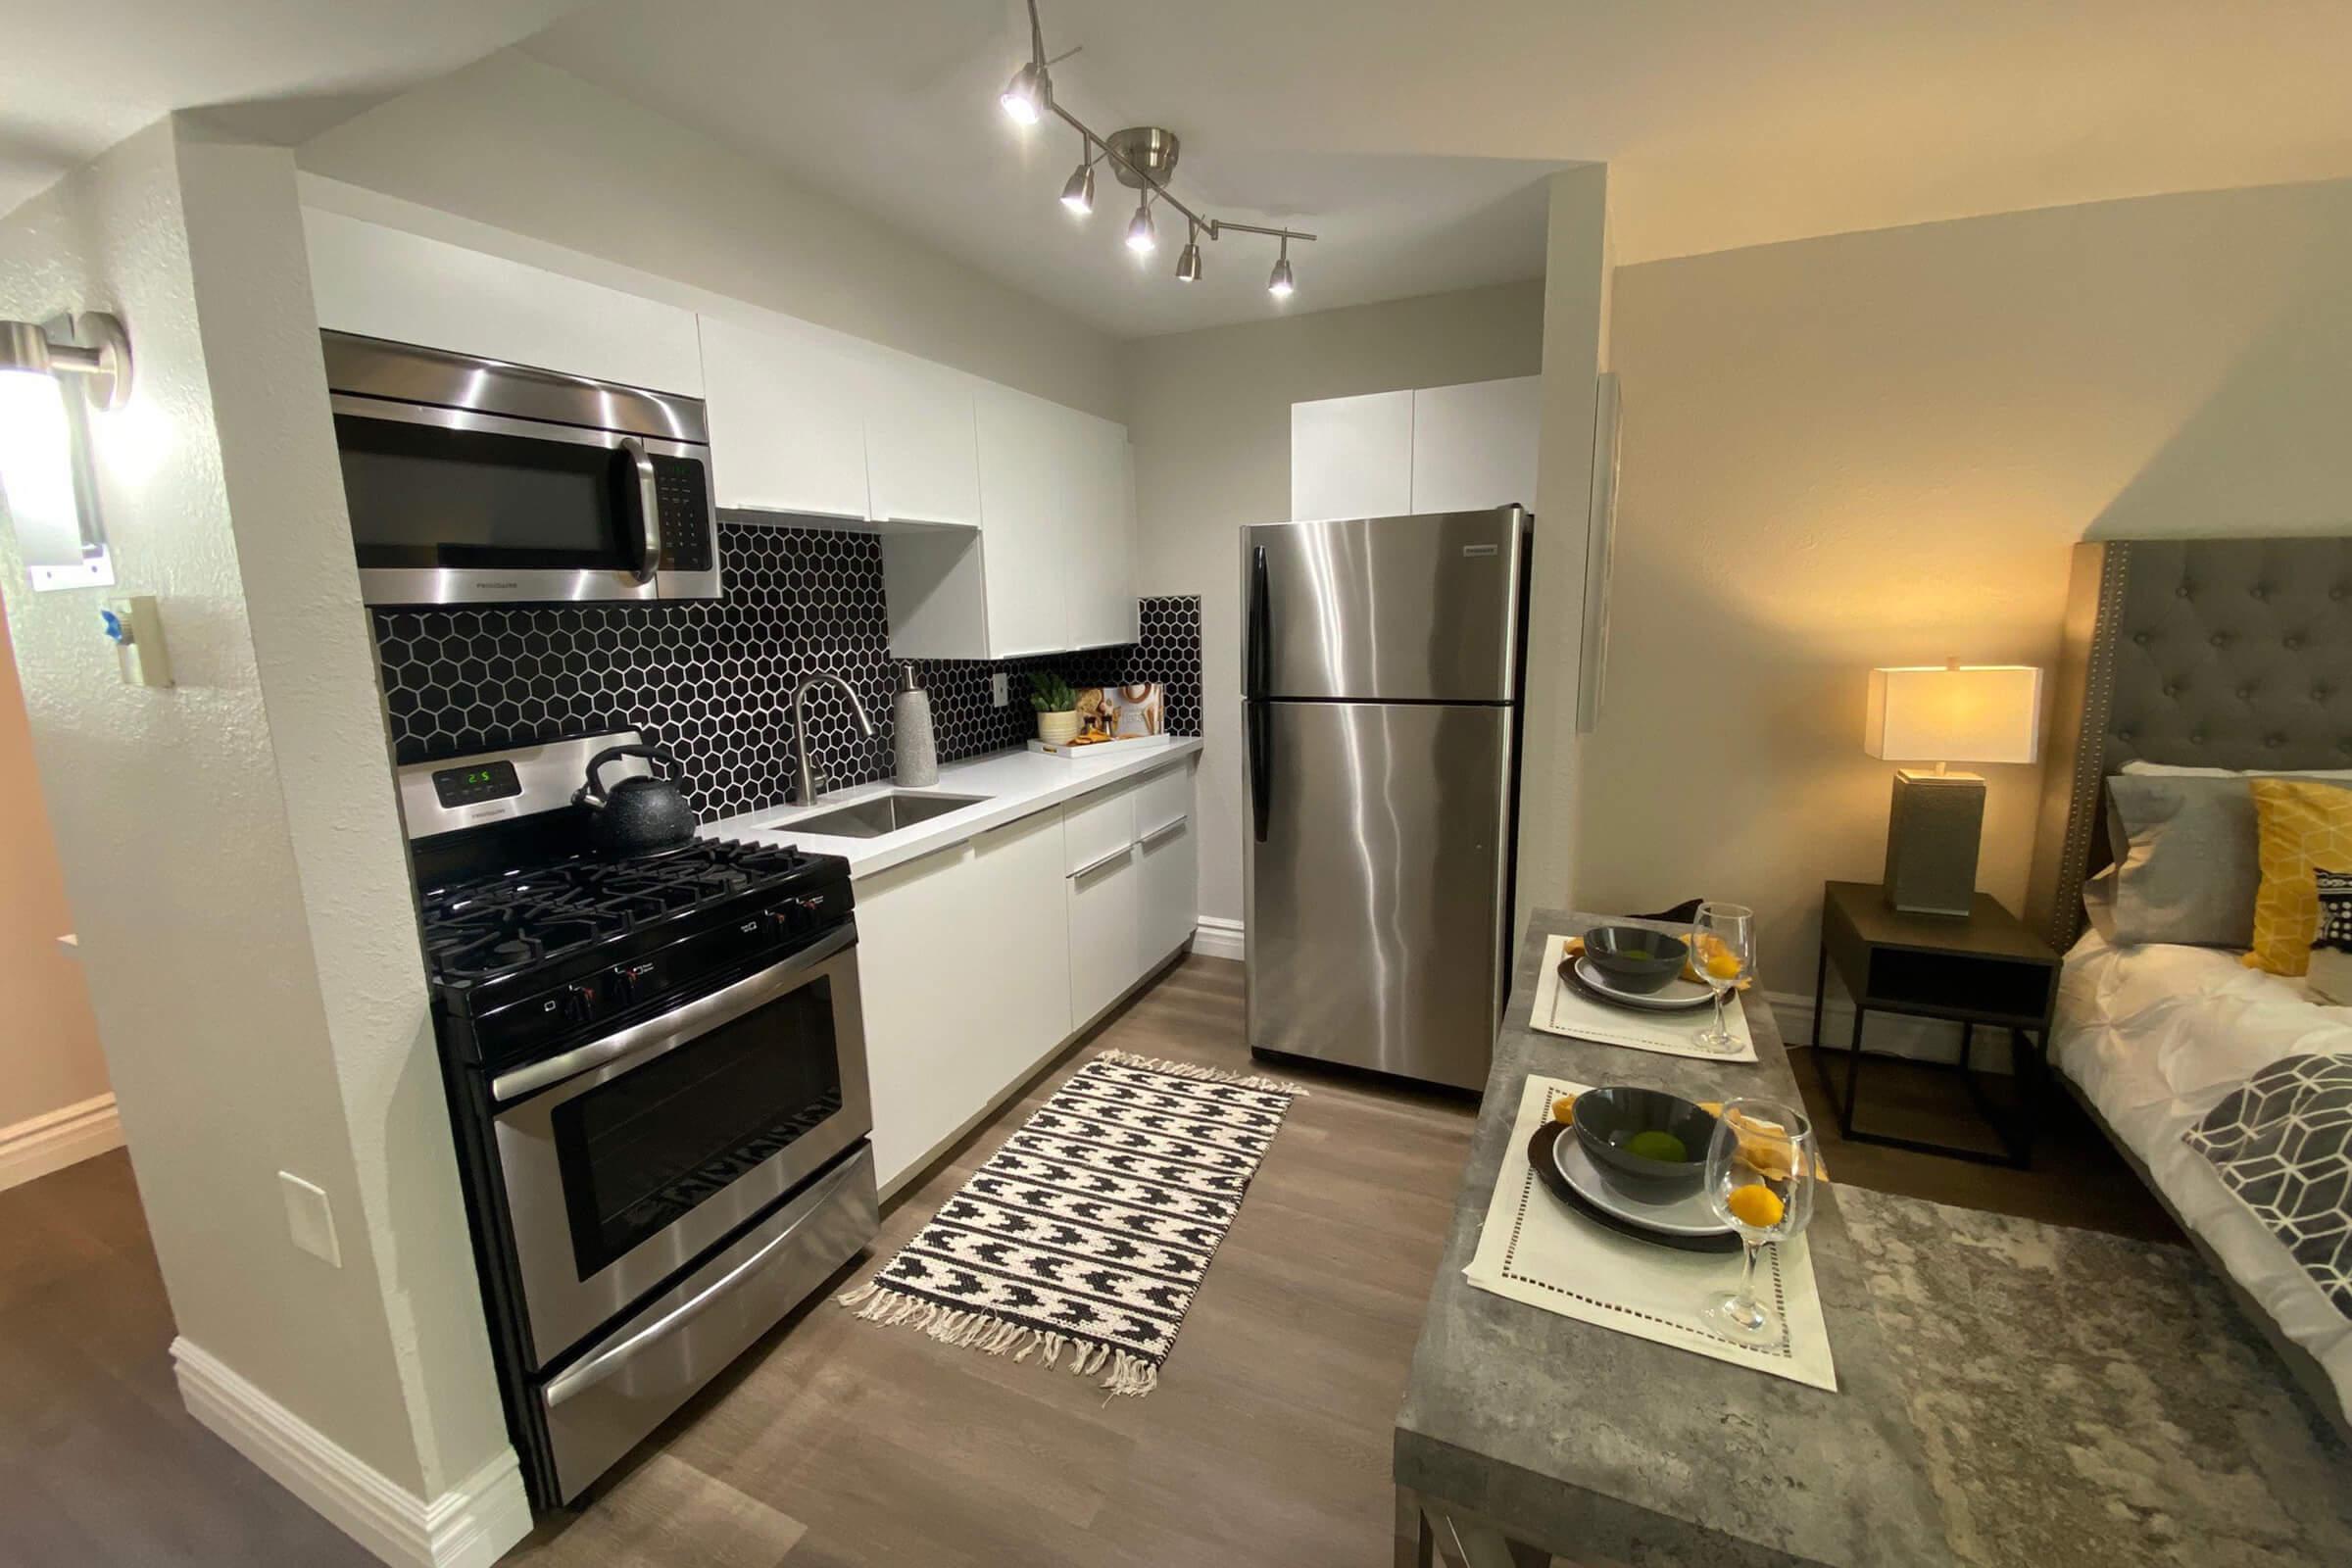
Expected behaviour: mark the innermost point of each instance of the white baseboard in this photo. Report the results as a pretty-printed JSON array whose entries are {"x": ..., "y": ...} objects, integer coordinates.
[
  {"x": 1893, "y": 1033},
  {"x": 1216, "y": 937},
  {"x": 470, "y": 1526},
  {"x": 56, "y": 1139}
]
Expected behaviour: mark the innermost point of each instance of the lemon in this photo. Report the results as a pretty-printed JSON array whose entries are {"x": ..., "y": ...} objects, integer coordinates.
[
  {"x": 1564, "y": 1110},
  {"x": 1723, "y": 965},
  {"x": 1756, "y": 1206}
]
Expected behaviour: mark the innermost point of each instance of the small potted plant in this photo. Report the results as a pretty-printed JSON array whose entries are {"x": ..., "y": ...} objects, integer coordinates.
[{"x": 1057, "y": 707}]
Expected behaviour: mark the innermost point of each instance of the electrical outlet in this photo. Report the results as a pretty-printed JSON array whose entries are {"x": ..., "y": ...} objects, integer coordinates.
[
  {"x": 310, "y": 1218},
  {"x": 999, "y": 689}
]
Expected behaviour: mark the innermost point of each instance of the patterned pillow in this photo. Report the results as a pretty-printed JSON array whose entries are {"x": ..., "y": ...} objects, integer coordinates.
[
  {"x": 2302, "y": 823},
  {"x": 2332, "y": 943}
]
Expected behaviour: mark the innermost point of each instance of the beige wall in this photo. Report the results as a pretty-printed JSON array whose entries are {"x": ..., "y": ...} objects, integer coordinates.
[
  {"x": 231, "y": 845},
  {"x": 518, "y": 144},
  {"x": 52, "y": 1058},
  {"x": 1209, "y": 416},
  {"x": 1875, "y": 449}
]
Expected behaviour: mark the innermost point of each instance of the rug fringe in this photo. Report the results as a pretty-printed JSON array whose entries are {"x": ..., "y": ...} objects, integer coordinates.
[
  {"x": 875, "y": 1302},
  {"x": 1214, "y": 1075}
]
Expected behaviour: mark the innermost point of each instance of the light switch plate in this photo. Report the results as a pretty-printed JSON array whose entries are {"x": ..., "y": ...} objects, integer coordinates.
[
  {"x": 136, "y": 626},
  {"x": 310, "y": 1218},
  {"x": 999, "y": 690}
]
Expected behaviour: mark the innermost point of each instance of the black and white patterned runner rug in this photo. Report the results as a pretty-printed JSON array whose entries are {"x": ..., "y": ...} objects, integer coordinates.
[{"x": 1088, "y": 1231}]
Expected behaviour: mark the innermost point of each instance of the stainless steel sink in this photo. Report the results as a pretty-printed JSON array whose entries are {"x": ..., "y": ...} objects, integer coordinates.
[{"x": 878, "y": 814}]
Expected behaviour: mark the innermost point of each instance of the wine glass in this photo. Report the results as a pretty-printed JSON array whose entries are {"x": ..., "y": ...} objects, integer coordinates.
[
  {"x": 1760, "y": 1170},
  {"x": 1723, "y": 954}
]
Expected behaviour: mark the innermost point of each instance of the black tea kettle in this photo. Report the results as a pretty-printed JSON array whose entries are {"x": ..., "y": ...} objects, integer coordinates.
[{"x": 644, "y": 815}]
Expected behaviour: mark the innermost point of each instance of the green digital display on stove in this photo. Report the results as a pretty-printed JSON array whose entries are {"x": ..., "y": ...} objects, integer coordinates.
[{"x": 471, "y": 786}]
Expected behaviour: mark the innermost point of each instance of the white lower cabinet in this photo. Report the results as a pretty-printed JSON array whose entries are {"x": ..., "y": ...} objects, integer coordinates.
[
  {"x": 965, "y": 981},
  {"x": 980, "y": 961}
]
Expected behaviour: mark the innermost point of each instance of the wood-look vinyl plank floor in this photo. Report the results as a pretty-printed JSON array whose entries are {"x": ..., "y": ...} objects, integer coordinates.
[{"x": 836, "y": 1443}]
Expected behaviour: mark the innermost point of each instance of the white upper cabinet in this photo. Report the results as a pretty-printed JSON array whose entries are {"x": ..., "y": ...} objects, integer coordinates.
[
  {"x": 922, "y": 462},
  {"x": 1352, "y": 457},
  {"x": 1101, "y": 590},
  {"x": 787, "y": 417},
  {"x": 1028, "y": 455},
  {"x": 1474, "y": 445},
  {"x": 388, "y": 283}
]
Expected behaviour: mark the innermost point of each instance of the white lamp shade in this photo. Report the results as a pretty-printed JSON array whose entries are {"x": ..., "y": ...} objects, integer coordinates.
[
  {"x": 36, "y": 468},
  {"x": 1964, "y": 714}
]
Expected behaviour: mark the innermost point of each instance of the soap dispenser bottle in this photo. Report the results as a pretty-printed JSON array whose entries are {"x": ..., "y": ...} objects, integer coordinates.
[{"x": 913, "y": 748}]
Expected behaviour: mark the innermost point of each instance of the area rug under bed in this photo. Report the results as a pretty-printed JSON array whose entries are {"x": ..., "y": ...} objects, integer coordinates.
[{"x": 1086, "y": 1235}]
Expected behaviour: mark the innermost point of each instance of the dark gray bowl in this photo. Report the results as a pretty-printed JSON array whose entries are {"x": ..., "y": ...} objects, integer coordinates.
[
  {"x": 1633, "y": 959},
  {"x": 1607, "y": 1118}
]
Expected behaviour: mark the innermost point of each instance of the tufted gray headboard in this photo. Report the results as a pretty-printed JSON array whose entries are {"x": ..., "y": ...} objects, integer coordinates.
[{"x": 2221, "y": 653}]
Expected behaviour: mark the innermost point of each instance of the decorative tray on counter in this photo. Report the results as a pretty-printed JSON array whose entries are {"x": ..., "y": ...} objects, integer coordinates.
[{"x": 1115, "y": 748}]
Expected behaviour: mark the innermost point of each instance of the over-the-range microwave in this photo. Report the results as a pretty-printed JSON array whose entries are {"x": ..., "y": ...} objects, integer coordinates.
[{"x": 473, "y": 481}]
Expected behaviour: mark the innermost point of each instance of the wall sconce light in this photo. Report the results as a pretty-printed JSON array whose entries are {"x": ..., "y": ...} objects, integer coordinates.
[{"x": 44, "y": 475}]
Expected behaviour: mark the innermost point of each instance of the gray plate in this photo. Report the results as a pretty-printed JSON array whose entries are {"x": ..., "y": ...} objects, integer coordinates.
[
  {"x": 1676, "y": 996},
  {"x": 1689, "y": 1217}
]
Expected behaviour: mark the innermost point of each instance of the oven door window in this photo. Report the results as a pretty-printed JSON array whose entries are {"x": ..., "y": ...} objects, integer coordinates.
[
  {"x": 640, "y": 1150},
  {"x": 425, "y": 496}
]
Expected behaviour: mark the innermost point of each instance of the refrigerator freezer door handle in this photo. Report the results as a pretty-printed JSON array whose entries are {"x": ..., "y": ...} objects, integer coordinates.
[{"x": 1255, "y": 658}]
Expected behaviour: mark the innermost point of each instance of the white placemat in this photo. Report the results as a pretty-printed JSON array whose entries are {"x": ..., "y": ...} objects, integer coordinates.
[
  {"x": 1562, "y": 1009},
  {"x": 1534, "y": 1250}
]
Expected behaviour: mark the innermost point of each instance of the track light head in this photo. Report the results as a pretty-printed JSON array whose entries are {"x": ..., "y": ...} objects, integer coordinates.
[
  {"x": 1142, "y": 237},
  {"x": 1026, "y": 95},
  {"x": 1078, "y": 195},
  {"x": 1187, "y": 263},
  {"x": 1280, "y": 283}
]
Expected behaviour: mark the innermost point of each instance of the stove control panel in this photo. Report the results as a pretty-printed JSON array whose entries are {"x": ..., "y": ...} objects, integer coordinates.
[{"x": 474, "y": 784}]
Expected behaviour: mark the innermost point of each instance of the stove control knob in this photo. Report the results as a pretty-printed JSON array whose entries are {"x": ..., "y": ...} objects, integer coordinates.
[
  {"x": 630, "y": 978},
  {"x": 813, "y": 902},
  {"x": 578, "y": 1003}
]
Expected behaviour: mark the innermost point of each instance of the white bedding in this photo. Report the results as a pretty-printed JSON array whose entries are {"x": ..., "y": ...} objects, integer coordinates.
[{"x": 2156, "y": 1035}]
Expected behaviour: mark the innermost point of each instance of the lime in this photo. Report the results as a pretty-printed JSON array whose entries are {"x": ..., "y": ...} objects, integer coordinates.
[{"x": 1657, "y": 1146}]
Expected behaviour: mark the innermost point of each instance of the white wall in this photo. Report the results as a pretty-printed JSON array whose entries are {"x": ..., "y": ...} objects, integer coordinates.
[
  {"x": 52, "y": 1058},
  {"x": 529, "y": 149},
  {"x": 231, "y": 844},
  {"x": 1210, "y": 417},
  {"x": 1877, "y": 449}
]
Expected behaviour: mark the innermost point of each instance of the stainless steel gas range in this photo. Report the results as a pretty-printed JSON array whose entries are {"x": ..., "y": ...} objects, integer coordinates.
[{"x": 656, "y": 1074}]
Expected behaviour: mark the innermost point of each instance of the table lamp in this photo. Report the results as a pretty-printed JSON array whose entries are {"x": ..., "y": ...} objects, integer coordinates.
[{"x": 1942, "y": 714}]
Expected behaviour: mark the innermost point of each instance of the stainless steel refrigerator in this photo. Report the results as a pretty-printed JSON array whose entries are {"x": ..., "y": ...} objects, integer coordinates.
[{"x": 1380, "y": 678}]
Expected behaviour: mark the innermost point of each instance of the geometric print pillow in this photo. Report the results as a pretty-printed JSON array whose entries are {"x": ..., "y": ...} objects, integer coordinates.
[
  {"x": 2282, "y": 1143},
  {"x": 2331, "y": 978},
  {"x": 2304, "y": 825}
]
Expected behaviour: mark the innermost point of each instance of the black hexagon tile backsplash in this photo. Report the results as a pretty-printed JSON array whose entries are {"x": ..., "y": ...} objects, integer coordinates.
[{"x": 712, "y": 679}]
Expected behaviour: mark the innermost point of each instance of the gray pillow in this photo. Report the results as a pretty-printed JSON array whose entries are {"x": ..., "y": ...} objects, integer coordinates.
[{"x": 2188, "y": 861}]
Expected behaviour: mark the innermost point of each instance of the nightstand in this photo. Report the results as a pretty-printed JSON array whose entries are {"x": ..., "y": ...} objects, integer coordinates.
[{"x": 1980, "y": 970}]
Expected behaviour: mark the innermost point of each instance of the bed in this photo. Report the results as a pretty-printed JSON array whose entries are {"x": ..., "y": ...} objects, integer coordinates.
[{"x": 2226, "y": 654}]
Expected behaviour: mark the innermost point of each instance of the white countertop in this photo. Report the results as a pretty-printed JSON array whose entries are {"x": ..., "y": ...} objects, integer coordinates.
[{"x": 1016, "y": 783}]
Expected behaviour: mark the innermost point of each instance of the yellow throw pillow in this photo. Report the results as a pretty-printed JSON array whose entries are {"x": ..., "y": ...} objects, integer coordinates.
[{"x": 2304, "y": 824}]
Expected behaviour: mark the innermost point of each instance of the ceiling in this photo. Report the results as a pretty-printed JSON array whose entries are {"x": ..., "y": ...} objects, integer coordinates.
[
  {"x": 1414, "y": 137},
  {"x": 78, "y": 75}
]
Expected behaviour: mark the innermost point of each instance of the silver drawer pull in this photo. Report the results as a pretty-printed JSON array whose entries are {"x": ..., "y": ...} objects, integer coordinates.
[
  {"x": 1100, "y": 862},
  {"x": 1163, "y": 830},
  {"x": 589, "y": 1373}
]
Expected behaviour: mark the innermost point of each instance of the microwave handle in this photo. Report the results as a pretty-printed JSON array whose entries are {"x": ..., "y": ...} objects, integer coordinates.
[{"x": 649, "y": 506}]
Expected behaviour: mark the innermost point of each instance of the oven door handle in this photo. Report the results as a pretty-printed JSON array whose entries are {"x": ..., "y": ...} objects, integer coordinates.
[
  {"x": 649, "y": 504},
  {"x": 588, "y": 1374},
  {"x": 656, "y": 1035}
]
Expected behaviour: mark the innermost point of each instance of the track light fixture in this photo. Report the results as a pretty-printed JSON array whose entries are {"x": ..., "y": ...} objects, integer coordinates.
[
  {"x": 1078, "y": 193},
  {"x": 1144, "y": 158},
  {"x": 1142, "y": 237},
  {"x": 1187, "y": 259}
]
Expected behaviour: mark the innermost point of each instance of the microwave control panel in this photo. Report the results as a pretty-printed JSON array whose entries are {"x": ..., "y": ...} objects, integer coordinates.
[{"x": 688, "y": 542}]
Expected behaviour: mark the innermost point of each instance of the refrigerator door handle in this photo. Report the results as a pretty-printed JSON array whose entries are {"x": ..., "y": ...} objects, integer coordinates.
[
  {"x": 1254, "y": 663},
  {"x": 1262, "y": 765}
]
